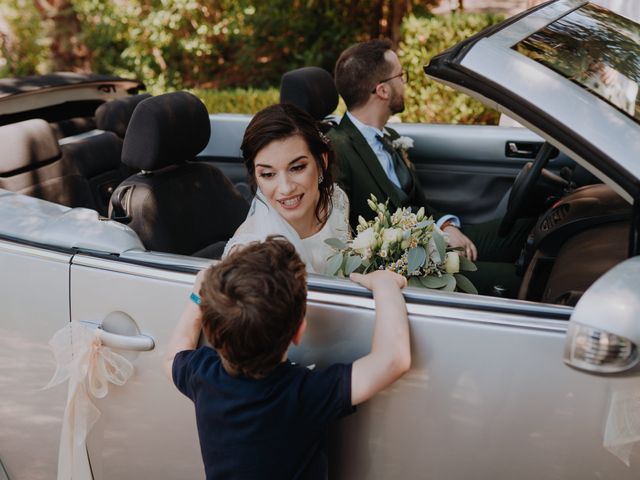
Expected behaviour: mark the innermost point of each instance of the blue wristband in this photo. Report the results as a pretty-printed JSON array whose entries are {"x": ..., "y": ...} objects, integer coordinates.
[{"x": 195, "y": 298}]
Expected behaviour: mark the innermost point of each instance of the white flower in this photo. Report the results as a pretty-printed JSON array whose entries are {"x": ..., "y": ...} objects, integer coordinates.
[
  {"x": 392, "y": 235},
  {"x": 432, "y": 251},
  {"x": 365, "y": 239},
  {"x": 404, "y": 143},
  {"x": 452, "y": 262}
]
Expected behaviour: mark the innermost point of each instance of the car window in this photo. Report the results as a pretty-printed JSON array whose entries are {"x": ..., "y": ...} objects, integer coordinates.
[{"x": 595, "y": 48}]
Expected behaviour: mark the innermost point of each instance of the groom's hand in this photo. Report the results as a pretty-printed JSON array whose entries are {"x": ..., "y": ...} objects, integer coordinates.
[{"x": 458, "y": 239}]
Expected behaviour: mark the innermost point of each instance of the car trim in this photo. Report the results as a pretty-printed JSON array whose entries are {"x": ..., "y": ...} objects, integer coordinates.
[
  {"x": 447, "y": 312},
  {"x": 35, "y": 251},
  {"x": 634, "y": 231},
  {"x": 324, "y": 285},
  {"x": 18, "y": 243}
]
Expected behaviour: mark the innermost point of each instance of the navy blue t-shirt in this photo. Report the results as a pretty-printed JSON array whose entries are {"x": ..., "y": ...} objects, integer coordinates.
[{"x": 269, "y": 428}]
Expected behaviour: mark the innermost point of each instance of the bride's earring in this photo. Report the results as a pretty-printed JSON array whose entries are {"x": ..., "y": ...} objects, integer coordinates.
[{"x": 320, "y": 179}]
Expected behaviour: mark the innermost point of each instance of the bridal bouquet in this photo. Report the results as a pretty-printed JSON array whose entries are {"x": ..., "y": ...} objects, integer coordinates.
[{"x": 404, "y": 242}]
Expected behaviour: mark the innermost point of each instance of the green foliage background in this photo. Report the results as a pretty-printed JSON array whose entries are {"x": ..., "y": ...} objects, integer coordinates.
[
  {"x": 429, "y": 101},
  {"x": 232, "y": 53}
]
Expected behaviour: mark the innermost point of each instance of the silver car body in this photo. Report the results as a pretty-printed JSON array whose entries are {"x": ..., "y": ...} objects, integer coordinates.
[{"x": 488, "y": 395}]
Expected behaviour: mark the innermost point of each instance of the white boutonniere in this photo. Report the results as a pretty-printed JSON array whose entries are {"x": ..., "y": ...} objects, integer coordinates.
[{"x": 402, "y": 143}]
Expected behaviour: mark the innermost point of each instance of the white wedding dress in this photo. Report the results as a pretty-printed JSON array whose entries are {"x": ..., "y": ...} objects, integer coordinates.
[{"x": 263, "y": 220}]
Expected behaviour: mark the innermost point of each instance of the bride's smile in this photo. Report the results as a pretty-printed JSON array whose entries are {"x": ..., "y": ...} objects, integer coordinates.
[
  {"x": 287, "y": 174},
  {"x": 291, "y": 202}
]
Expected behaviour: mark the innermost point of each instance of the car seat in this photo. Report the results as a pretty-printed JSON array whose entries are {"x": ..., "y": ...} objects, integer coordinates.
[
  {"x": 98, "y": 153},
  {"x": 174, "y": 204},
  {"x": 33, "y": 164},
  {"x": 310, "y": 88}
]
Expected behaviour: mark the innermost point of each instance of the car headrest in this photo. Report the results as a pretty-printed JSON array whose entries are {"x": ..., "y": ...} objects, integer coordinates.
[
  {"x": 165, "y": 130},
  {"x": 93, "y": 154},
  {"x": 114, "y": 116},
  {"x": 27, "y": 145},
  {"x": 310, "y": 88}
]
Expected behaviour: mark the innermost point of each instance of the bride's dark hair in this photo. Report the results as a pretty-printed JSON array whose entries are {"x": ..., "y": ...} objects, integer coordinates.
[{"x": 282, "y": 121}]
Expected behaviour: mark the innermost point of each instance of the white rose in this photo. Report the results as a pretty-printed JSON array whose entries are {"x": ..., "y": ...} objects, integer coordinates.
[
  {"x": 392, "y": 235},
  {"x": 452, "y": 262},
  {"x": 365, "y": 239}
]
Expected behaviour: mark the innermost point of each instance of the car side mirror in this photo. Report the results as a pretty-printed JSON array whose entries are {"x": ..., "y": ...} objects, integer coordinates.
[{"x": 604, "y": 329}]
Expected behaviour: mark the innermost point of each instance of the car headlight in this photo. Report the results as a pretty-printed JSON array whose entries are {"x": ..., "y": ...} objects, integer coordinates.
[{"x": 596, "y": 350}]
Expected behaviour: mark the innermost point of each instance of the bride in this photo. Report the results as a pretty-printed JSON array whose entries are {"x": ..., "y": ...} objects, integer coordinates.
[{"x": 289, "y": 161}]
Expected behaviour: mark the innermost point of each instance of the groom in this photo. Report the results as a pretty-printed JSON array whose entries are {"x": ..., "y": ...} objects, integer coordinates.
[{"x": 371, "y": 81}]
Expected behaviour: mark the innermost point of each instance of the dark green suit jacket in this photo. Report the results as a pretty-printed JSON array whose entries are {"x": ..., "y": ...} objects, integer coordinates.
[{"x": 360, "y": 174}]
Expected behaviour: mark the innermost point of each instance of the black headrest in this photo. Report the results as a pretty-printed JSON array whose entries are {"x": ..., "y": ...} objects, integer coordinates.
[
  {"x": 310, "y": 88},
  {"x": 95, "y": 154},
  {"x": 165, "y": 130},
  {"x": 26, "y": 145},
  {"x": 114, "y": 116}
]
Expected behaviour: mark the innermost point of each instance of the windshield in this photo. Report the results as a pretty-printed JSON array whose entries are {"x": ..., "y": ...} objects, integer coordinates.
[{"x": 595, "y": 48}]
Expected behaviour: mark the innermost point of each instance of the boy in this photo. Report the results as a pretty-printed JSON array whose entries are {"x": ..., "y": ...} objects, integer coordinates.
[{"x": 258, "y": 415}]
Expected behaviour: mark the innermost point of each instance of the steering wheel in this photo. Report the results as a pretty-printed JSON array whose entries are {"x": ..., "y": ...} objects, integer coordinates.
[{"x": 523, "y": 186}]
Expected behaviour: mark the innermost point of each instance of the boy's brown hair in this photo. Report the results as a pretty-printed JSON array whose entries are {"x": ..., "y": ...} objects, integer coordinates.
[{"x": 252, "y": 304}]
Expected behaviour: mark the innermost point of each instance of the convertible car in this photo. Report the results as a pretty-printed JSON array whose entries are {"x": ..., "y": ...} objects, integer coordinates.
[{"x": 111, "y": 201}]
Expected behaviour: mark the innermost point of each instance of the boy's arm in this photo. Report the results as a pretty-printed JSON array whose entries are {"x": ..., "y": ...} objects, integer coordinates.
[
  {"x": 390, "y": 355},
  {"x": 187, "y": 332}
]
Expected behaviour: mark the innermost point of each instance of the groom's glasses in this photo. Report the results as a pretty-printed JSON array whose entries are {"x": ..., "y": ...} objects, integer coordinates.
[{"x": 405, "y": 79}]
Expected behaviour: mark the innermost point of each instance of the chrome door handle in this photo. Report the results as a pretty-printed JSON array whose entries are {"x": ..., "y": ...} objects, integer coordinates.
[
  {"x": 137, "y": 343},
  {"x": 128, "y": 336}
]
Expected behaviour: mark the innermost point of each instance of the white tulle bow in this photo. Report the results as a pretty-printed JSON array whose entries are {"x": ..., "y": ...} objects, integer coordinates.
[{"x": 90, "y": 367}]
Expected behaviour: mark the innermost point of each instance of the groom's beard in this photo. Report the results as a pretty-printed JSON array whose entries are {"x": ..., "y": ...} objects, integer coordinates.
[{"x": 396, "y": 103}]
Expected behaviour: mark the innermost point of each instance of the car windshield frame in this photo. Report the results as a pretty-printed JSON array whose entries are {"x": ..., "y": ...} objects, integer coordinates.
[
  {"x": 612, "y": 74},
  {"x": 487, "y": 68}
]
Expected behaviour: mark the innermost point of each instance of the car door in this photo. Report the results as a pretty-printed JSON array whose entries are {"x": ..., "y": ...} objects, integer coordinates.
[
  {"x": 469, "y": 169},
  {"x": 34, "y": 303},
  {"x": 487, "y": 396},
  {"x": 147, "y": 428}
]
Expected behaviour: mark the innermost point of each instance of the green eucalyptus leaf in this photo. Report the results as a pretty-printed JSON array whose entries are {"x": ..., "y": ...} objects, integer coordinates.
[
  {"x": 415, "y": 258},
  {"x": 451, "y": 283},
  {"x": 414, "y": 282},
  {"x": 466, "y": 264},
  {"x": 353, "y": 262},
  {"x": 465, "y": 284},
  {"x": 336, "y": 243},
  {"x": 441, "y": 244},
  {"x": 334, "y": 264},
  {"x": 433, "y": 281}
]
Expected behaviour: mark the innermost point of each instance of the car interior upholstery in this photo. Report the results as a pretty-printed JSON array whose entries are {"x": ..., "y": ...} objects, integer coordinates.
[
  {"x": 34, "y": 165},
  {"x": 98, "y": 152},
  {"x": 175, "y": 204}
]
